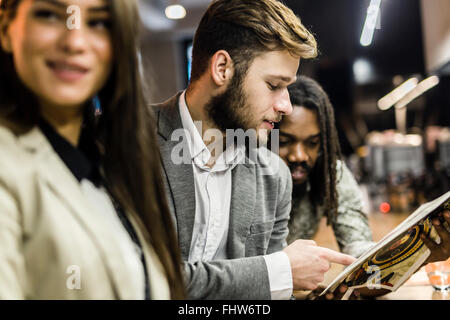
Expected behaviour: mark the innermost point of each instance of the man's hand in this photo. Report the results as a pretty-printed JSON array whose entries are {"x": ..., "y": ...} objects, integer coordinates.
[
  {"x": 337, "y": 294},
  {"x": 439, "y": 252},
  {"x": 310, "y": 262}
]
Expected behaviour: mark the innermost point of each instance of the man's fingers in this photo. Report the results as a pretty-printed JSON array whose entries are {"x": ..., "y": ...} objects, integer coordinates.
[
  {"x": 339, "y": 292},
  {"x": 337, "y": 257},
  {"x": 442, "y": 232},
  {"x": 343, "y": 288},
  {"x": 329, "y": 296},
  {"x": 310, "y": 242},
  {"x": 305, "y": 242},
  {"x": 428, "y": 242},
  {"x": 446, "y": 215}
]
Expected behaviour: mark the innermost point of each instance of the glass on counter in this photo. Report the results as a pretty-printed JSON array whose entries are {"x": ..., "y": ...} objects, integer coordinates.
[{"x": 439, "y": 274}]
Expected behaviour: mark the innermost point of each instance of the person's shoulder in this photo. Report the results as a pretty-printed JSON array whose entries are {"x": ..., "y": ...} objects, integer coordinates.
[
  {"x": 343, "y": 173},
  {"x": 16, "y": 156},
  {"x": 347, "y": 187},
  {"x": 9, "y": 138},
  {"x": 171, "y": 102},
  {"x": 167, "y": 111},
  {"x": 340, "y": 165}
]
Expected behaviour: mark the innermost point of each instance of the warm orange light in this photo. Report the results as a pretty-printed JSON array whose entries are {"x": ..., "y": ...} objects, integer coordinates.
[{"x": 385, "y": 207}]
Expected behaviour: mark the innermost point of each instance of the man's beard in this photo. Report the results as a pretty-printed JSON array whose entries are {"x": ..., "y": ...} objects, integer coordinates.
[
  {"x": 300, "y": 189},
  {"x": 230, "y": 109}
]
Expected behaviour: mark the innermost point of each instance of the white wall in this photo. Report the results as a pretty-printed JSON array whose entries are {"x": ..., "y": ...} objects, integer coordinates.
[{"x": 436, "y": 32}]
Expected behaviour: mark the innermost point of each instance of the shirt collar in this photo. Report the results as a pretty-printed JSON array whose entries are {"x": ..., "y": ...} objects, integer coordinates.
[
  {"x": 195, "y": 141},
  {"x": 200, "y": 153},
  {"x": 82, "y": 161}
]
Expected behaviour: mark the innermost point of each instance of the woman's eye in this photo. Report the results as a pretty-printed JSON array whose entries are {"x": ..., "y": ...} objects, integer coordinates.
[
  {"x": 47, "y": 15},
  {"x": 100, "y": 24}
]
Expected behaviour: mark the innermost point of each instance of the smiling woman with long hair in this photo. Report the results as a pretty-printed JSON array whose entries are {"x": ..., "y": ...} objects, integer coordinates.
[{"x": 82, "y": 208}]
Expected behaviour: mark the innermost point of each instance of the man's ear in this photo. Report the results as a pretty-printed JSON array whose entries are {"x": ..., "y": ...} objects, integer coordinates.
[
  {"x": 221, "y": 68},
  {"x": 5, "y": 39}
]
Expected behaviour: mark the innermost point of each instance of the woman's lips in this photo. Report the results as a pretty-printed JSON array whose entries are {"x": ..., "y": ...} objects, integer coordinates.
[{"x": 67, "y": 71}]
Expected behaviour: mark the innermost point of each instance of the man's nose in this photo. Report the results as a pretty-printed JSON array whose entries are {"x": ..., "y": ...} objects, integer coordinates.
[
  {"x": 283, "y": 104},
  {"x": 298, "y": 153}
]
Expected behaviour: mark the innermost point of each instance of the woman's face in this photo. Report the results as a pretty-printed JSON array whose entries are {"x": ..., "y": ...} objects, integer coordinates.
[{"x": 61, "y": 49}]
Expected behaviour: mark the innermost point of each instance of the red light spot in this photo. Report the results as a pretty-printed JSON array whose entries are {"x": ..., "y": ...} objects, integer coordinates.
[{"x": 385, "y": 207}]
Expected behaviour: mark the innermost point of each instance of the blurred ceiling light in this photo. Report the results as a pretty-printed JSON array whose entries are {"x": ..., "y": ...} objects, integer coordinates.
[
  {"x": 154, "y": 18},
  {"x": 362, "y": 71},
  {"x": 175, "y": 12},
  {"x": 370, "y": 24},
  {"x": 397, "y": 94},
  {"x": 422, "y": 87}
]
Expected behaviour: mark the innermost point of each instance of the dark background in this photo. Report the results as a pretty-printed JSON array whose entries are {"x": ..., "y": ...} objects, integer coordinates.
[
  {"x": 395, "y": 55},
  {"x": 396, "y": 51}
]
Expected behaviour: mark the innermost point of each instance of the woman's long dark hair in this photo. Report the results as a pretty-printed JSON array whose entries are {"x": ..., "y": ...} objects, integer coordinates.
[
  {"x": 125, "y": 131},
  {"x": 306, "y": 92}
]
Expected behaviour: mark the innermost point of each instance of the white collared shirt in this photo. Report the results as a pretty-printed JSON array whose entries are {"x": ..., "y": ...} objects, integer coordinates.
[
  {"x": 213, "y": 188},
  {"x": 212, "y": 193}
]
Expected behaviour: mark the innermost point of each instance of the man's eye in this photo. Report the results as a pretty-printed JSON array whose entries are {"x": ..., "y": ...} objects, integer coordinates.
[{"x": 273, "y": 87}]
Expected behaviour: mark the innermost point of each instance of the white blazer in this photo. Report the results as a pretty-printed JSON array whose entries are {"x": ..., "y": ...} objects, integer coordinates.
[{"x": 51, "y": 244}]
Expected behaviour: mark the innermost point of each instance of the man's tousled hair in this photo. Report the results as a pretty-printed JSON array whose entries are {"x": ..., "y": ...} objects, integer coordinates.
[{"x": 246, "y": 28}]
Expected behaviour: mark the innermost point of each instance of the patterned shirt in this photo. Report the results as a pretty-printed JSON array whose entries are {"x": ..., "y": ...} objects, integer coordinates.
[{"x": 350, "y": 227}]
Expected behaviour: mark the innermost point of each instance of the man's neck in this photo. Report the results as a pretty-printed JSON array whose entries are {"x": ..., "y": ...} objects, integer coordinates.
[{"x": 196, "y": 102}]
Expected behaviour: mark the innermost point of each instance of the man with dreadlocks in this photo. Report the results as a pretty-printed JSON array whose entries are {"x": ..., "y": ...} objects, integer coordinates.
[{"x": 322, "y": 184}]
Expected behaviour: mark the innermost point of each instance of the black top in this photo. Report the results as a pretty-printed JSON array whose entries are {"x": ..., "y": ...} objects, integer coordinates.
[{"x": 84, "y": 163}]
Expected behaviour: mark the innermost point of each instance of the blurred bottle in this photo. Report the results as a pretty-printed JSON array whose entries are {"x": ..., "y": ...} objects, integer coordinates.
[{"x": 401, "y": 193}]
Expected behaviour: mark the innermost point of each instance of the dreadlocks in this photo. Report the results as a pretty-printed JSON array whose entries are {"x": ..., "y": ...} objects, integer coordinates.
[{"x": 307, "y": 93}]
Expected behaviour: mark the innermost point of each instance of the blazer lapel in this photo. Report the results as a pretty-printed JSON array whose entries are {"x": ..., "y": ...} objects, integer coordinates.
[
  {"x": 180, "y": 175},
  {"x": 243, "y": 198},
  {"x": 56, "y": 176}
]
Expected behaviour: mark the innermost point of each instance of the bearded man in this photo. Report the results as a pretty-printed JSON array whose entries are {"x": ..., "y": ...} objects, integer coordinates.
[{"x": 230, "y": 200}]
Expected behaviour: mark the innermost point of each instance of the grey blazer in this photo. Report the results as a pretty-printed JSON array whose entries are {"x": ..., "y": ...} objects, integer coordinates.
[{"x": 259, "y": 215}]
